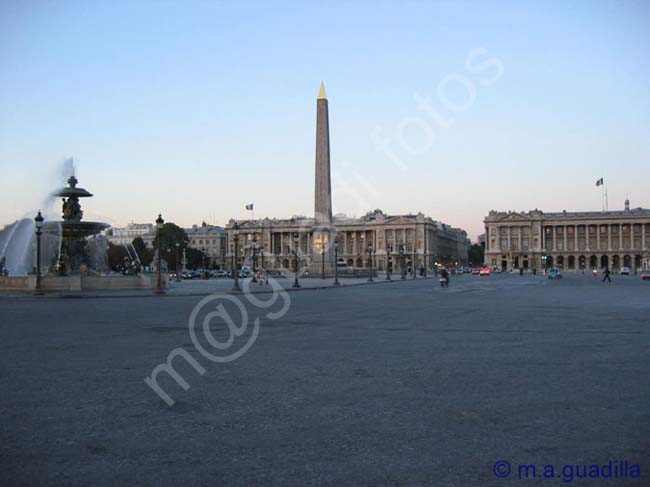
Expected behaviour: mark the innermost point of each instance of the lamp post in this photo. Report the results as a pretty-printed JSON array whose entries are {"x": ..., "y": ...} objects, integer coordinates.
[
  {"x": 370, "y": 279},
  {"x": 159, "y": 226},
  {"x": 414, "y": 265},
  {"x": 235, "y": 272},
  {"x": 296, "y": 247},
  {"x": 403, "y": 260},
  {"x": 178, "y": 261},
  {"x": 38, "y": 221},
  {"x": 336, "y": 262},
  {"x": 388, "y": 262},
  {"x": 322, "y": 253}
]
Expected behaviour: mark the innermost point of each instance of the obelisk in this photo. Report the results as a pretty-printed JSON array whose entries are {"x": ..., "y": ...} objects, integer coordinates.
[
  {"x": 323, "y": 234},
  {"x": 323, "y": 193}
]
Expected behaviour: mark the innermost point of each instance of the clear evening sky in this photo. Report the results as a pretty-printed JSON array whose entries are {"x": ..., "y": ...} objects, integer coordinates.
[{"x": 194, "y": 109}]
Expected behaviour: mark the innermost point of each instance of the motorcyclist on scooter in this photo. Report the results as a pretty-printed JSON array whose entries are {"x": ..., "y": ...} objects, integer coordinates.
[{"x": 444, "y": 275}]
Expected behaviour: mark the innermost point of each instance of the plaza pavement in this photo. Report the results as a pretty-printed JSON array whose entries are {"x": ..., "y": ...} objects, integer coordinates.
[{"x": 392, "y": 384}]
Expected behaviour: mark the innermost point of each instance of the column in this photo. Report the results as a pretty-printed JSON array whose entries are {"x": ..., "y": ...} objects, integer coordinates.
[
  {"x": 643, "y": 246},
  {"x": 620, "y": 237},
  {"x": 509, "y": 241},
  {"x": 609, "y": 237},
  {"x": 632, "y": 238},
  {"x": 575, "y": 237},
  {"x": 566, "y": 248},
  {"x": 598, "y": 237},
  {"x": 554, "y": 238},
  {"x": 521, "y": 246}
]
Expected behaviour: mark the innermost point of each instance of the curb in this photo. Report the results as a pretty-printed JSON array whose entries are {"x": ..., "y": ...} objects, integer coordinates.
[{"x": 55, "y": 295}]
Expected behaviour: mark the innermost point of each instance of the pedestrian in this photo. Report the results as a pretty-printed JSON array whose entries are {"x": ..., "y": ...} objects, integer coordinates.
[
  {"x": 607, "y": 275},
  {"x": 521, "y": 271},
  {"x": 534, "y": 271}
]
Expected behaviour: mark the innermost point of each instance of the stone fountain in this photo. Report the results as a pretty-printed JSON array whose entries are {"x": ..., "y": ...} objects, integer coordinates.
[
  {"x": 73, "y": 257},
  {"x": 74, "y": 266}
]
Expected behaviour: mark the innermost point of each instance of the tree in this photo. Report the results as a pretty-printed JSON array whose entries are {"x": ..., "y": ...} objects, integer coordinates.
[
  {"x": 116, "y": 255},
  {"x": 197, "y": 259},
  {"x": 476, "y": 254},
  {"x": 170, "y": 235},
  {"x": 145, "y": 254}
]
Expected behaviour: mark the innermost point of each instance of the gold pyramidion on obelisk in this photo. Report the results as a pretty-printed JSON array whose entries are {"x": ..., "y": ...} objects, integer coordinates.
[{"x": 321, "y": 93}]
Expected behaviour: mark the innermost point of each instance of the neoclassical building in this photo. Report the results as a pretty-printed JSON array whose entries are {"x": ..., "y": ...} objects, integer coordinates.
[
  {"x": 419, "y": 238},
  {"x": 209, "y": 239},
  {"x": 569, "y": 240}
]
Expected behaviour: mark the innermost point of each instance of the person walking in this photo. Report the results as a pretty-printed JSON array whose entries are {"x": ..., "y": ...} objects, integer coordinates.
[{"x": 607, "y": 275}]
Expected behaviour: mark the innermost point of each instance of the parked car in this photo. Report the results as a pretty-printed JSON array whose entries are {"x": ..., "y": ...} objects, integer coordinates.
[
  {"x": 625, "y": 271},
  {"x": 484, "y": 271},
  {"x": 221, "y": 273},
  {"x": 555, "y": 274},
  {"x": 645, "y": 275},
  {"x": 476, "y": 271}
]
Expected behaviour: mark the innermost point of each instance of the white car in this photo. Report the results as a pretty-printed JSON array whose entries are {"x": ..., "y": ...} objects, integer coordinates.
[{"x": 625, "y": 271}]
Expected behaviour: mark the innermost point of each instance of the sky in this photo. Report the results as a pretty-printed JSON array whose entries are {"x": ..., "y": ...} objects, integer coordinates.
[{"x": 194, "y": 109}]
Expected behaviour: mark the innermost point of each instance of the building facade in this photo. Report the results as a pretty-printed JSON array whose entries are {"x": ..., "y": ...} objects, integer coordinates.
[
  {"x": 400, "y": 240},
  {"x": 569, "y": 240},
  {"x": 211, "y": 240},
  {"x": 126, "y": 235}
]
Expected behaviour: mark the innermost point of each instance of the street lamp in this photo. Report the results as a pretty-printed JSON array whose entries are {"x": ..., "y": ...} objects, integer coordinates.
[
  {"x": 370, "y": 279},
  {"x": 178, "y": 261},
  {"x": 388, "y": 262},
  {"x": 159, "y": 226},
  {"x": 38, "y": 221},
  {"x": 336, "y": 262},
  {"x": 296, "y": 247},
  {"x": 414, "y": 265},
  {"x": 322, "y": 254},
  {"x": 403, "y": 260},
  {"x": 235, "y": 233}
]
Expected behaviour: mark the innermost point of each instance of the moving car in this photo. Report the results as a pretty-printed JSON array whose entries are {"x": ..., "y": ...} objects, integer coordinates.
[
  {"x": 555, "y": 274},
  {"x": 645, "y": 275},
  {"x": 484, "y": 271},
  {"x": 625, "y": 271}
]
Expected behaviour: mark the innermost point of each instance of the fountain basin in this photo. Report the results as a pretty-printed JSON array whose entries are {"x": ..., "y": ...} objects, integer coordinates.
[
  {"x": 82, "y": 282},
  {"x": 74, "y": 230}
]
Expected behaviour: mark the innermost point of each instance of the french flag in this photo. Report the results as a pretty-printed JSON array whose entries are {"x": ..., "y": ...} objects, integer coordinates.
[
  {"x": 249, "y": 206},
  {"x": 600, "y": 182}
]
